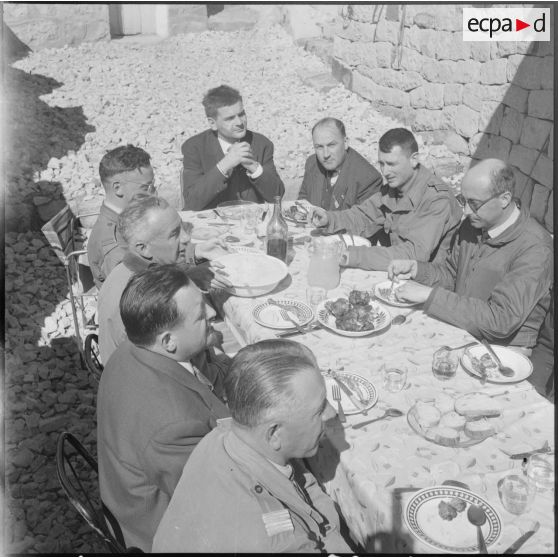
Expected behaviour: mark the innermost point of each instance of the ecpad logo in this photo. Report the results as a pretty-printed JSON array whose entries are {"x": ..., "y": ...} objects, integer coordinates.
[{"x": 506, "y": 24}]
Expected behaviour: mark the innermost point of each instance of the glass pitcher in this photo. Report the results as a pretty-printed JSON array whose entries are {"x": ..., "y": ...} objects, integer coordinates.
[{"x": 323, "y": 269}]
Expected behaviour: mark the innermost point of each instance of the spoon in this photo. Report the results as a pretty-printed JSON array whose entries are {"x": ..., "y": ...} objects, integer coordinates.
[
  {"x": 504, "y": 370},
  {"x": 402, "y": 318},
  {"x": 477, "y": 517},
  {"x": 388, "y": 413},
  {"x": 445, "y": 347}
]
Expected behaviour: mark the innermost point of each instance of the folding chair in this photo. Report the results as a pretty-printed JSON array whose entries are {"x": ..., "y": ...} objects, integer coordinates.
[
  {"x": 93, "y": 357},
  {"x": 76, "y": 466},
  {"x": 67, "y": 238}
]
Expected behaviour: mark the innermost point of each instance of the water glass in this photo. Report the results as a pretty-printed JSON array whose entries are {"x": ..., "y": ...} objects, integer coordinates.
[
  {"x": 516, "y": 493},
  {"x": 395, "y": 376},
  {"x": 249, "y": 218},
  {"x": 315, "y": 295},
  {"x": 540, "y": 471},
  {"x": 444, "y": 364}
]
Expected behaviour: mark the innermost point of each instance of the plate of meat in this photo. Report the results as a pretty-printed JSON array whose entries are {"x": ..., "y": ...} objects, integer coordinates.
[
  {"x": 384, "y": 292},
  {"x": 355, "y": 316}
]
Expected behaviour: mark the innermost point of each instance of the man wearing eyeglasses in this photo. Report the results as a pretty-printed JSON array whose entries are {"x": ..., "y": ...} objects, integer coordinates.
[
  {"x": 124, "y": 172},
  {"x": 495, "y": 282},
  {"x": 412, "y": 216}
]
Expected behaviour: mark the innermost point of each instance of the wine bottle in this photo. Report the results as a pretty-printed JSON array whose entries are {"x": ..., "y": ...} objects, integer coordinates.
[{"x": 277, "y": 233}]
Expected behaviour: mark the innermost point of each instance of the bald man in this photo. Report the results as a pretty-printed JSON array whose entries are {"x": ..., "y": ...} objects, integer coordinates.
[{"x": 495, "y": 282}]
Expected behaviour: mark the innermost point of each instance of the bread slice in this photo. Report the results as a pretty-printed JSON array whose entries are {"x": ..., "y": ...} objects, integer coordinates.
[
  {"x": 479, "y": 429},
  {"x": 426, "y": 414},
  {"x": 472, "y": 405},
  {"x": 443, "y": 435},
  {"x": 452, "y": 420},
  {"x": 444, "y": 402}
]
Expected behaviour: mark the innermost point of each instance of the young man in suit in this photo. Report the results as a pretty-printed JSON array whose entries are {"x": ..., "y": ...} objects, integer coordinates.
[
  {"x": 228, "y": 161},
  {"x": 336, "y": 176}
]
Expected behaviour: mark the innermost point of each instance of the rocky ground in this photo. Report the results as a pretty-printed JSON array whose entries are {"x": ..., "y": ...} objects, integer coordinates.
[{"x": 66, "y": 108}]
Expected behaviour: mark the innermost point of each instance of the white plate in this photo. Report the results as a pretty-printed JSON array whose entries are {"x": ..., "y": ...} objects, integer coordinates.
[
  {"x": 205, "y": 233},
  {"x": 361, "y": 387},
  {"x": 380, "y": 292},
  {"x": 328, "y": 320},
  {"x": 519, "y": 363},
  {"x": 269, "y": 315},
  {"x": 458, "y": 535}
]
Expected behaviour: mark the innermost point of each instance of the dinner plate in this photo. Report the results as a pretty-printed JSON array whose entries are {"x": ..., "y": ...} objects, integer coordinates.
[
  {"x": 423, "y": 520},
  {"x": 364, "y": 390},
  {"x": 382, "y": 290},
  {"x": 205, "y": 233},
  {"x": 518, "y": 362},
  {"x": 269, "y": 315},
  {"x": 381, "y": 321}
]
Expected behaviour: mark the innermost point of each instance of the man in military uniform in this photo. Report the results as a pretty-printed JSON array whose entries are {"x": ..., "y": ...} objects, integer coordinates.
[
  {"x": 245, "y": 488},
  {"x": 412, "y": 216}
]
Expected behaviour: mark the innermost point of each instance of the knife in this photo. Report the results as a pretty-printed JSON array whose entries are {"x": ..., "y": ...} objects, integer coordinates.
[
  {"x": 307, "y": 330},
  {"x": 521, "y": 540},
  {"x": 354, "y": 400}
]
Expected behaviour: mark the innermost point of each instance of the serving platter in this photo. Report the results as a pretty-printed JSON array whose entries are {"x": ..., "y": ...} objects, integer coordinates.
[
  {"x": 363, "y": 390},
  {"x": 518, "y": 362},
  {"x": 269, "y": 315},
  {"x": 382, "y": 291},
  {"x": 381, "y": 321},
  {"x": 458, "y": 535}
]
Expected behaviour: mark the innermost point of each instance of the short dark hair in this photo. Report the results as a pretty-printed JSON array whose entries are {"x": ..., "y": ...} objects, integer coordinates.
[
  {"x": 222, "y": 96},
  {"x": 398, "y": 136},
  {"x": 133, "y": 216},
  {"x": 125, "y": 158},
  {"x": 502, "y": 180},
  {"x": 259, "y": 380},
  {"x": 330, "y": 121},
  {"x": 147, "y": 305}
]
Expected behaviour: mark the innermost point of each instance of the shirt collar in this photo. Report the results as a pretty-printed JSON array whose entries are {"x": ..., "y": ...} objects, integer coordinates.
[
  {"x": 112, "y": 207},
  {"x": 225, "y": 145},
  {"x": 498, "y": 230}
]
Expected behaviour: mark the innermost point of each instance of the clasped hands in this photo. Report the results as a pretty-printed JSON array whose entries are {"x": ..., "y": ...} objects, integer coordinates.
[
  {"x": 410, "y": 291},
  {"x": 239, "y": 153}
]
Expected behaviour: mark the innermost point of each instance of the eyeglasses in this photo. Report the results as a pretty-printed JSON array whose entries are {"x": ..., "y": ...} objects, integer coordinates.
[{"x": 475, "y": 205}]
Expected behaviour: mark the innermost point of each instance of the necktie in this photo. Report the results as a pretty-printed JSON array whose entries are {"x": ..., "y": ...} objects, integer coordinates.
[{"x": 201, "y": 377}]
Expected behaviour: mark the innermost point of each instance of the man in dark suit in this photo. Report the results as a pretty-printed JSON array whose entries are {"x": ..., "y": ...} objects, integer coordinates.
[
  {"x": 336, "y": 176},
  {"x": 156, "y": 401},
  {"x": 228, "y": 161}
]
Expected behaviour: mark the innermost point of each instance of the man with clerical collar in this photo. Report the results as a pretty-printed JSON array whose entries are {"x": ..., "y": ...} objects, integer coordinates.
[
  {"x": 124, "y": 172},
  {"x": 153, "y": 234},
  {"x": 228, "y": 161},
  {"x": 245, "y": 488},
  {"x": 155, "y": 400},
  {"x": 496, "y": 280},
  {"x": 336, "y": 176},
  {"x": 412, "y": 216}
]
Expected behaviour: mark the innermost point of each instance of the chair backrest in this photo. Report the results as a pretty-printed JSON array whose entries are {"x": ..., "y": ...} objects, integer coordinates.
[
  {"x": 92, "y": 356},
  {"x": 182, "y": 203},
  {"x": 75, "y": 466},
  {"x": 59, "y": 232}
]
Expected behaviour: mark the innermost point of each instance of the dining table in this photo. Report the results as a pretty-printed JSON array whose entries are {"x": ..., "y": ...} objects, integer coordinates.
[{"x": 383, "y": 475}]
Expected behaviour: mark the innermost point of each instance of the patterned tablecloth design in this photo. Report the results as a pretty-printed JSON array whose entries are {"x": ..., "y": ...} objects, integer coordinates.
[{"x": 372, "y": 472}]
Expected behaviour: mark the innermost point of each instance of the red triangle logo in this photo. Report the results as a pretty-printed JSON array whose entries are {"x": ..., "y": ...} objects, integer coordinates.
[{"x": 519, "y": 25}]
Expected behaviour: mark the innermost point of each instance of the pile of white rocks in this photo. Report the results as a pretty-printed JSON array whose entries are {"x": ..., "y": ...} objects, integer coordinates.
[{"x": 99, "y": 96}]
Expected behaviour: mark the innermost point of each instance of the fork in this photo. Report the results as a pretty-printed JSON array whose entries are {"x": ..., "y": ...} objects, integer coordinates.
[
  {"x": 286, "y": 316},
  {"x": 337, "y": 397}
]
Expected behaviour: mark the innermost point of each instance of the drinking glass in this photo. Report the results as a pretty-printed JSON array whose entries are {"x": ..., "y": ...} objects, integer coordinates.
[
  {"x": 516, "y": 493},
  {"x": 444, "y": 364},
  {"x": 395, "y": 376},
  {"x": 540, "y": 471},
  {"x": 315, "y": 295},
  {"x": 249, "y": 218}
]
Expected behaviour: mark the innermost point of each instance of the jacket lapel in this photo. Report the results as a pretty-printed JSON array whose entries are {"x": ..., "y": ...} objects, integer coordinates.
[{"x": 340, "y": 188}]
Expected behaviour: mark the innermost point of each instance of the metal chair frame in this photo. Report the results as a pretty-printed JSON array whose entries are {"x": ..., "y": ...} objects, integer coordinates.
[
  {"x": 102, "y": 521},
  {"x": 61, "y": 232},
  {"x": 92, "y": 356}
]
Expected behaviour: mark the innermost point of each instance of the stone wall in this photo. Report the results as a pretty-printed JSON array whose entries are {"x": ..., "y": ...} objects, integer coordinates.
[
  {"x": 479, "y": 99},
  {"x": 56, "y": 25}
]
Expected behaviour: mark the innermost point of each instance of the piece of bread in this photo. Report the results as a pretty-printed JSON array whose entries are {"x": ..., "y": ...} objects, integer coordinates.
[
  {"x": 444, "y": 402},
  {"x": 479, "y": 429},
  {"x": 473, "y": 405},
  {"x": 443, "y": 435},
  {"x": 452, "y": 420},
  {"x": 426, "y": 414}
]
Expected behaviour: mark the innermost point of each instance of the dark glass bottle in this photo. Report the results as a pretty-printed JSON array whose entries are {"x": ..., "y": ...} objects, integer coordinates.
[{"x": 277, "y": 233}]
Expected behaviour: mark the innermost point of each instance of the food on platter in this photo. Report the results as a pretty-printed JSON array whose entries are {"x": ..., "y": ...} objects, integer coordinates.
[
  {"x": 427, "y": 415},
  {"x": 473, "y": 405},
  {"x": 485, "y": 365},
  {"x": 295, "y": 213},
  {"x": 444, "y": 402},
  {"x": 443, "y": 435},
  {"x": 452, "y": 420},
  {"x": 450, "y": 510},
  {"x": 354, "y": 313},
  {"x": 479, "y": 429},
  {"x": 388, "y": 294},
  {"x": 458, "y": 504},
  {"x": 231, "y": 238}
]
